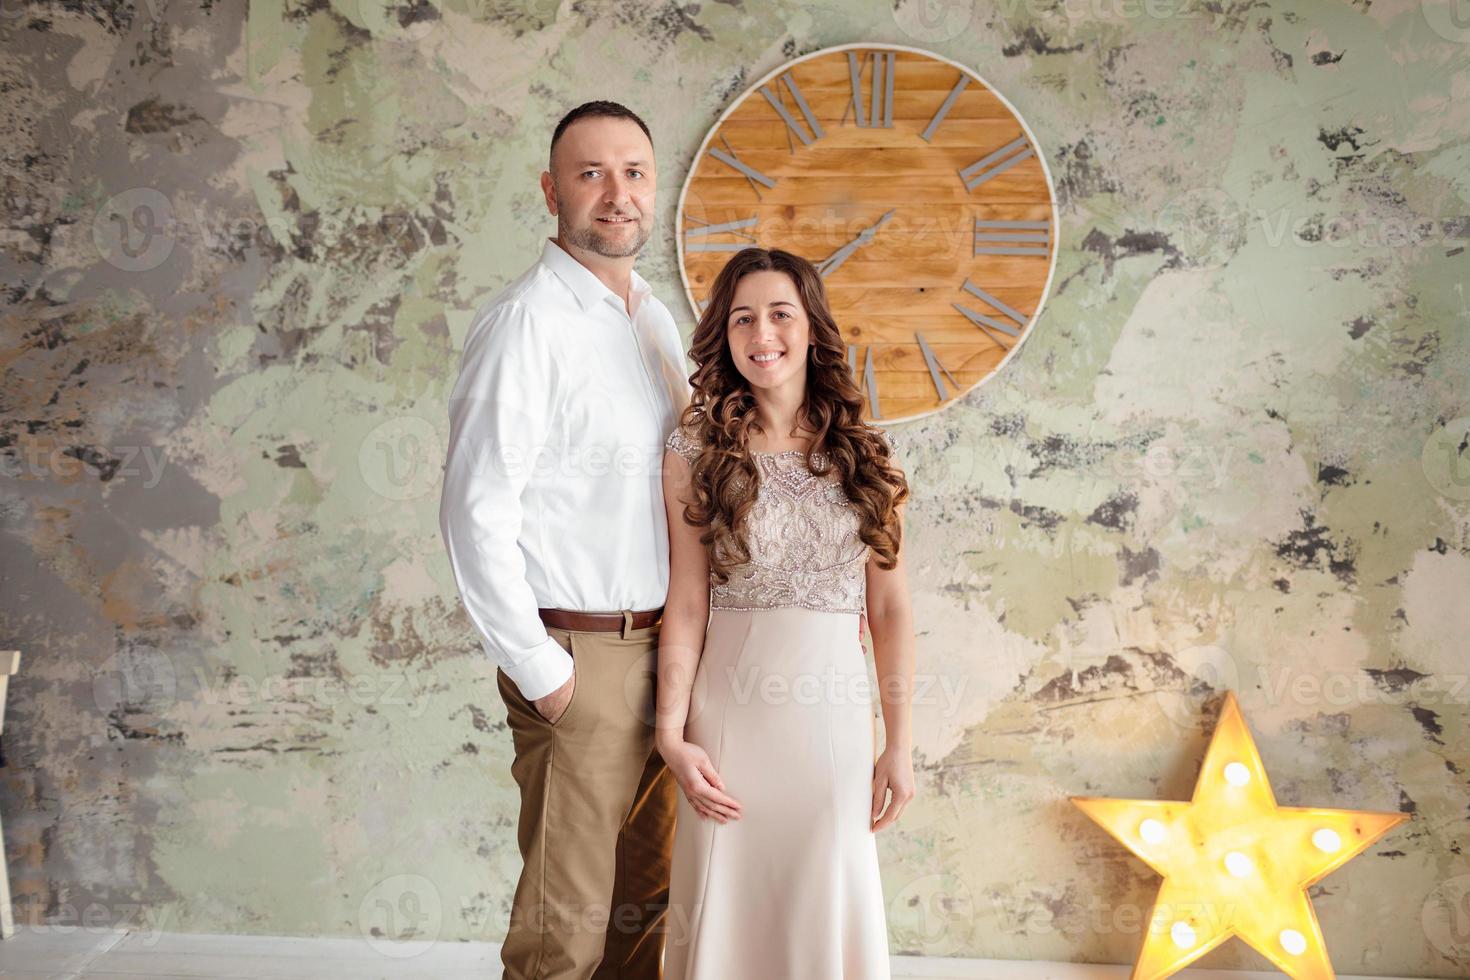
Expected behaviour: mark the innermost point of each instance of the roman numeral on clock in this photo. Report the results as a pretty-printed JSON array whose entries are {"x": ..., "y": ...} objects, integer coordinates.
[
  {"x": 932, "y": 363},
  {"x": 997, "y": 237},
  {"x": 868, "y": 382},
  {"x": 726, "y": 227},
  {"x": 997, "y": 163},
  {"x": 988, "y": 324},
  {"x": 944, "y": 107},
  {"x": 729, "y": 158},
  {"x": 774, "y": 98},
  {"x": 880, "y": 101}
]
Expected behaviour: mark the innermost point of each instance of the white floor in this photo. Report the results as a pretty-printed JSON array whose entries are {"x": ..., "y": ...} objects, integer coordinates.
[{"x": 62, "y": 953}]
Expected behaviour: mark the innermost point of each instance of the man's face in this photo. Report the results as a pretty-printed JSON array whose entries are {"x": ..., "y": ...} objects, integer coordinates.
[{"x": 601, "y": 186}]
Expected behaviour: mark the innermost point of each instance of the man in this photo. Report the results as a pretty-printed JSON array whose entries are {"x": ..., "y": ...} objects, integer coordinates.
[{"x": 553, "y": 516}]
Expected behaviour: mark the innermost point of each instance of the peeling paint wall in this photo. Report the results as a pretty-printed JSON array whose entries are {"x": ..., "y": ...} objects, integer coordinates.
[{"x": 241, "y": 251}]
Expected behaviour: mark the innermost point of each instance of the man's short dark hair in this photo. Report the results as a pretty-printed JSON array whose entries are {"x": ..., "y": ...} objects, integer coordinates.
[{"x": 614, "y": 110}]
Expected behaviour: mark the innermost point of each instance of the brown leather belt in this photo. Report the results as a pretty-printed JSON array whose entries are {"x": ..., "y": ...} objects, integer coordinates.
[{"x": 568, "y": 619}]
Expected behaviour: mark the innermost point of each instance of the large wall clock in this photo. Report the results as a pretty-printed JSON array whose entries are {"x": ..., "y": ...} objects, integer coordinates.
[{"x": 913, "y": 186}]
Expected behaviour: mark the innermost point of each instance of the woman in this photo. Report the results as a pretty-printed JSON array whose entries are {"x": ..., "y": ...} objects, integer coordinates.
[{"x": 784, "y": 527}]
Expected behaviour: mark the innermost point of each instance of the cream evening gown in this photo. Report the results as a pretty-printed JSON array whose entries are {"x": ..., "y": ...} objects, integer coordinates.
[{"x": 783, "y": 704}]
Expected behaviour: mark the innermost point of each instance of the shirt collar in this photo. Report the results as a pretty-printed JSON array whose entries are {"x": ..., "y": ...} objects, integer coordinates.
[{"x": 584, "y": 283}]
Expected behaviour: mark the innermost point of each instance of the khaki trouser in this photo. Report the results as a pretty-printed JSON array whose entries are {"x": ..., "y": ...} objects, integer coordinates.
[{"x": 596, "y": 828}]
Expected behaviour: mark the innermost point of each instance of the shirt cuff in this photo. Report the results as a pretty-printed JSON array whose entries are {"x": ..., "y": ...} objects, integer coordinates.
[{"x": 546, "y": 669}]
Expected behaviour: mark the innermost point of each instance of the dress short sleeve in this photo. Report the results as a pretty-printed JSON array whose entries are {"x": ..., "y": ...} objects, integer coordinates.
[{"x": 680, "y": 442}]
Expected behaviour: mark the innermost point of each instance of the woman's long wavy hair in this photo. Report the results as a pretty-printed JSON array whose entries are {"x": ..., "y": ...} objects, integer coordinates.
[{"x": 721, "y": 415}]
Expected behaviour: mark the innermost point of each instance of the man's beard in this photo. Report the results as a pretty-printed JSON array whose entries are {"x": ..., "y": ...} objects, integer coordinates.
[{"x": 592, "y": 239}]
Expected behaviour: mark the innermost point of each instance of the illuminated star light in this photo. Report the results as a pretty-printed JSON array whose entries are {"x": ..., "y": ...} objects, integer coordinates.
[{"x": 1234, "y": 863}]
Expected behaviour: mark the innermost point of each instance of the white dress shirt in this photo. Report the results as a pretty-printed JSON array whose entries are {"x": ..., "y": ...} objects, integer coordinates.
[{"x": 553, "y": 492}]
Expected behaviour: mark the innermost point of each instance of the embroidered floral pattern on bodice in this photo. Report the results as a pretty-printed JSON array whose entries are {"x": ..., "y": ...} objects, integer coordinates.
[{"x": 802, "y": 534}]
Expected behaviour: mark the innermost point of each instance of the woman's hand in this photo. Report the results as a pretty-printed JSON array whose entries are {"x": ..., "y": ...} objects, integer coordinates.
[
  {"x": 892, "y": 773},
  {"x": 702, "y": 786}
]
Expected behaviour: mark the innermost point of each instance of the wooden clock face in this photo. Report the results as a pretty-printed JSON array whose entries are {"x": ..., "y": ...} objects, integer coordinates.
[{"x": 915, "y": 189}]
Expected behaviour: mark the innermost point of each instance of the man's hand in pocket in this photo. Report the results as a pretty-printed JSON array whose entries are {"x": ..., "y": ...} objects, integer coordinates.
[{"x": 553, "y": 705}]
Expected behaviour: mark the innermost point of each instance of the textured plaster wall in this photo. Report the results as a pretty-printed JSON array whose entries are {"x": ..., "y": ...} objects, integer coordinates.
[{"x": 240, "y": 252}]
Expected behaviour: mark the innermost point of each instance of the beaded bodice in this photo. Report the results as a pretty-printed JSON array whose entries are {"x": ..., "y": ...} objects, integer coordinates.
[{"x": 802, "y": 534}]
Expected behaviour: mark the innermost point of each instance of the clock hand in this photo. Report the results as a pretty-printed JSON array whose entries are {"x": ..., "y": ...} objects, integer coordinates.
[
  {"x": 831, "y": 262},
  {"x": 838, "y": 257},
  {"x": 879, "y": 223}
]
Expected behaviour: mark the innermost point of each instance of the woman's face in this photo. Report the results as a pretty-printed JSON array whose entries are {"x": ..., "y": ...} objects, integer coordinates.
[{"x": 768, "y": 331}]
